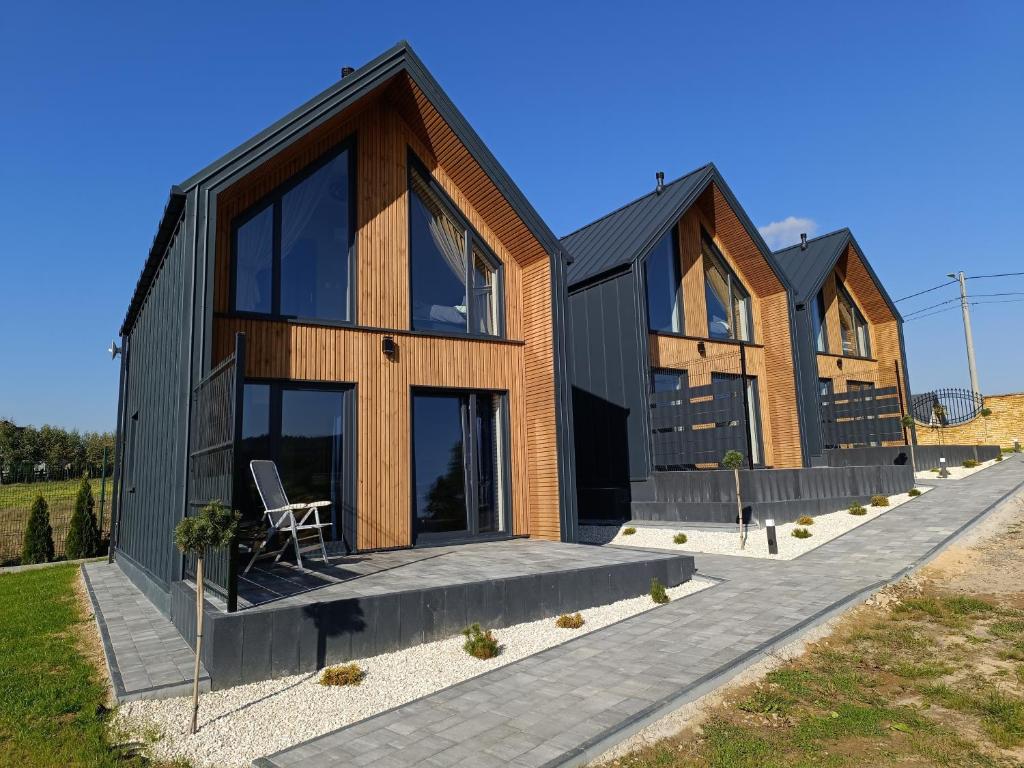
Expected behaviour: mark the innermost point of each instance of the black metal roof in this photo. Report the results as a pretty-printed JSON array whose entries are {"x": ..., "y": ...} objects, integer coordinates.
[
  {"x": 629, "y": 233},
  {"x": 808, "y": 268},
  {"x": 348, "y": 90}
]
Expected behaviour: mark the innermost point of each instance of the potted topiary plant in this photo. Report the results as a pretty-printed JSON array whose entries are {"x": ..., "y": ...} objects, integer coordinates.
[
  {"x": 734, "y": 460},
  {"x": 212, "y": 528},
  {"x": 985, "y": 413}
]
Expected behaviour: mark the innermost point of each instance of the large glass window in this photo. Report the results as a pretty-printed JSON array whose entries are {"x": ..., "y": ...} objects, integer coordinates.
[
  {"x": 302, "y": 429},
  {"x": 818, "y": 319},
  {"x": 293, "y": 253},
  {"x": 456, "y": 281},
  {"x": 661, "y": 271},
  {"x": 852, "y": 326},
  {"x": 458, "y": 464},
  {"x": 728, "y": 302}
]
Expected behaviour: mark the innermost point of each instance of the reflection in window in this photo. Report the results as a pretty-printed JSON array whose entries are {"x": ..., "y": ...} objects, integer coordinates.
[
  {"x": 853, "y": 328},
  {"x": 304, "y": 233},
  {"x": 819, "y": 322},
  {"x": 447, "y": 296},
  {"x": 728, "y": 302},
  {"x": 664, "y": 308}
]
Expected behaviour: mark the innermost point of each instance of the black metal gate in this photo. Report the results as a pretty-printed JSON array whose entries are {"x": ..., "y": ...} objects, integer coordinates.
[
  {"x": 861, "y": 409},
  {"x": 215, "y": 434},
  {"x": 946, "y": 407}
]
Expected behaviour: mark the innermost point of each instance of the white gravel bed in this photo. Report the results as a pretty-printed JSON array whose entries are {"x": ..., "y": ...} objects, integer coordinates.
[
  {"x": 955, "y": 472},
  {"x": 237, "y": 725},
  {"x": 727, "y": 542}
]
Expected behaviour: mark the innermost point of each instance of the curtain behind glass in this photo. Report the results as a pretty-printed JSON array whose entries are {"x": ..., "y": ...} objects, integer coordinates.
[{"x": 254, "y": 262}]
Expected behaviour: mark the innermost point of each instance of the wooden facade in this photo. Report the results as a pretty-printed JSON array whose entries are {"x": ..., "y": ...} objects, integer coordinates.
[
  {"x": 769, "y": 354},
  {"x": 384, "y": 128}
]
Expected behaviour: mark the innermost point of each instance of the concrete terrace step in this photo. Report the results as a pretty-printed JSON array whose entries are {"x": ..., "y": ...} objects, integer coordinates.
[
  {"x": 146, "y": 657},
  {"x": 567, "y": 705}
]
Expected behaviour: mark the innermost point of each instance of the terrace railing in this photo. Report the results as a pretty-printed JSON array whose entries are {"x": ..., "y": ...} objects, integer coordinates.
[
  {"x": 215, "y": 435},
  {"x": 862, "y": 408}
]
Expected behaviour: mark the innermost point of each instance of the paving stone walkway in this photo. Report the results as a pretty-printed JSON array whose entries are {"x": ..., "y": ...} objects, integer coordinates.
[
  {"x": 146, "y": 656},
  {"x": 567, "y": 705}
]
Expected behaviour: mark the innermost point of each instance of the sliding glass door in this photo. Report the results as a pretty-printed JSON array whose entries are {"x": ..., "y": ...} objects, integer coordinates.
[
  {"x": 458, "y": 465},
  {"x": 305, "y": 430}
]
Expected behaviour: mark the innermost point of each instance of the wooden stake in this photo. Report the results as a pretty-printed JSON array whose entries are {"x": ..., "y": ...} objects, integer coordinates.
[
  {"x": 739, "y": 505},
  {"x": 199, "y": 641}
]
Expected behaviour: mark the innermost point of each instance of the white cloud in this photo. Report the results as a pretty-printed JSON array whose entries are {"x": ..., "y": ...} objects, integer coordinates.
[{"x": 779, "y": 234}]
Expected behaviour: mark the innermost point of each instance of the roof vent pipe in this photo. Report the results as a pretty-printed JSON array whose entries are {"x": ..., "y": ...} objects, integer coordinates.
[
  {"x": 803, "y": 241},
  {"x": 346, "y": 71},
  {"x": 660, "y": 176}
]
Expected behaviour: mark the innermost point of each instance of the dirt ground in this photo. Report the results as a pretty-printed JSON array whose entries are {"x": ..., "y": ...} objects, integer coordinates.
[{"x": 928, "y": 672}]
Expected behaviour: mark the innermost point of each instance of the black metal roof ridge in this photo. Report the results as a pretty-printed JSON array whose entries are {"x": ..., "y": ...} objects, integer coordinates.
[{"x": 346, "y": 91}]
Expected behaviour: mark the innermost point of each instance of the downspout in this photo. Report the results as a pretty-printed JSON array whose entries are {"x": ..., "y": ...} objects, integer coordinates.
[{"x": 115, "y": 499}]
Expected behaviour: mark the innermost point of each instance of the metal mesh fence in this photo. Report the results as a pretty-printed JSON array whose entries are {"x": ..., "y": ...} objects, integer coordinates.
[{"x": 16, "y": 501}]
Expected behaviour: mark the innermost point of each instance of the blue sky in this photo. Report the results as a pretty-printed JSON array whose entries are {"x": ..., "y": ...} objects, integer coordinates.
[{"x": 902, "y": 121}]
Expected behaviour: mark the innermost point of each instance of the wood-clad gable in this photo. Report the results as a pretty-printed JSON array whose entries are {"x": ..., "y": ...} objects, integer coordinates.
[{"x": 385, "y": 127}]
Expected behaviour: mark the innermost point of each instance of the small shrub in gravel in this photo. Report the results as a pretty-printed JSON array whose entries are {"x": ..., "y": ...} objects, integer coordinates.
[
  {"x": 679, "y": 538},
  {"x": 934, "y": 469},
  {"x": 914, "y": 492},
  {"x": 658, "y": 593},
  {"x": 857, "y": 509},
  {"x": 801, "y": 533},
  {"x": 569, "y": 621},
  {"x": 999, "y": 457},
  {"x": 879, "y": 501},
  {"x": 480, "y": 642},
  {"x": 628, "y": 531},
  {"x": 970, "y": 463},
  {"x": 805, "y": 520},
  {"x": 343, "y": 674}
]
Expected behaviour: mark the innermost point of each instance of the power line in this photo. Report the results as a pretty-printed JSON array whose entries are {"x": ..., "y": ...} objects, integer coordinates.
[
  {"x": 1001, "y": 274},
  {"x": 930, "y": 314},
  {"x": 926, "y": 290},
  {"x": 932, "y": 306},
  {"x": 950, "y": 301},
  {"x": 908, "y": 319}
]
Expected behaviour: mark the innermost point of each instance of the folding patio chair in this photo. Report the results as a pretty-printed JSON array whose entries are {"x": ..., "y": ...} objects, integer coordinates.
[{"x": 281, "y": 515}]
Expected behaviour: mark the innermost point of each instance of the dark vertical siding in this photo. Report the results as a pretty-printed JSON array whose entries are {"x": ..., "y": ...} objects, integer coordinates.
[
  {"x": 153, "y": 450},
  {"x": 607, "y": 358},
  {"x": 806, "y": 361}
]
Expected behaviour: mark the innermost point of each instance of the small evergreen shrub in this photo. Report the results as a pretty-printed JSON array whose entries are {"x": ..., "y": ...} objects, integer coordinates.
[
  {"x": 343, "y": 674},
  {"x": 914, "y": 492},
  {"x": 679, "y": 538},
  {"x": 83, "y": 536},
  {"x": 37, "y": 546},
  {"x": 569, "y": 621},
  {"x": 936, "y": 470},
  {"x": 801, "y": 533},
  {"x": 480, "y": 642},
  {"x": 879, "y": 501},
  {"x": 628, "y": 531},
  {"x": 999, "y": 457},
  {"x": 658, "y": 593},
  {"x": 970, "y": 463},
  {"x": 857, "y": 509},
  {"x": 805, "y": 520}
]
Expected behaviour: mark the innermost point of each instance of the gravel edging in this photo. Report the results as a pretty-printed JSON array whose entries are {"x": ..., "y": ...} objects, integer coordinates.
[
  {"x": 955, "y": 472},
  {"x": 238, "y": 725},
  {"x": 825, "y": 528}
]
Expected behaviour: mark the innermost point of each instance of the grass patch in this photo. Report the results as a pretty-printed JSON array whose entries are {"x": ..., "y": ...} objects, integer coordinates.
[
  {"x": 878, "y": 500},
  {"x": 343, "y": 674},
  {"x": 480, "y": 643},
  {"x": 52, "y": 700},
  {"x": 914, "y": 492},
  {"x": 628, "y": 531},
  {"x": 970, "y": 463},
  {"x": 805, "y": 520},
  {"x": 800, "y": 533},
  {"x": 658, "y": 593},
  {"x": 570, "y": 621},
  {"x": 679, "y": 538},
  {"x": 857, "y": 509}
]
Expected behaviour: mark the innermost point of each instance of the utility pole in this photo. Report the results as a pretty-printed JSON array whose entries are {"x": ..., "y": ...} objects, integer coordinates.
[{"x": 965, "y": 308}]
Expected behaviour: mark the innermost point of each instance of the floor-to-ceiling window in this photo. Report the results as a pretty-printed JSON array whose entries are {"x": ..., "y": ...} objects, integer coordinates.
[
  {"x": 820, "y": 323},
  {"x": 292, "y": 252},
  {"x": 662, "y": 275},
  {"x": 304, "y": 429},
  {"x": 853, "y": 328},
  {"x": 459, "y": 465},
  {"x": 727, "y": 300}
]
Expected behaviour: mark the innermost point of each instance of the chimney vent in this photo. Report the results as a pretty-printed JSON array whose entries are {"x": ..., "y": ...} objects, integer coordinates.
[
  {"x": 660, "y": 176},
  {"x": 346, "y": 71},
  {"x": 803, "y": 241}
]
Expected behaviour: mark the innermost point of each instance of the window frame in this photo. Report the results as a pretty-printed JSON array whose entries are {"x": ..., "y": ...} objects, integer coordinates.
[
  {"x": 859, "y": 321},
  {"x": 471, "y": 238},
  {"x": 677, "y": 281},
  {"x": 712, "y": 251},
  {"x": 273, "y": 199}
]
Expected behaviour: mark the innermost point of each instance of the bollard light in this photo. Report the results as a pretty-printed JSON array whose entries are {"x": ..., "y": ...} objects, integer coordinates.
[
  {"x": 773, "y": 541},
  {"x": 943, "y": 472}
]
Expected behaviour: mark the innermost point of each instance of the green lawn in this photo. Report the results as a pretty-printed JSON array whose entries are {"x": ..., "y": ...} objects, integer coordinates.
[{"x": 52, "y": 709}]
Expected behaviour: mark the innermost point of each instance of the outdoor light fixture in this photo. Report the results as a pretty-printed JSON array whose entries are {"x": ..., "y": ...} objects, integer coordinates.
[
  {"x": 839, "y": 362},
  {"x": 701, "y": 349},
  {"x": 773, "y": 541},
  {"x": 389, "y": 347},
  {"x": 114, "y": 350},
  {"x": 943, "y": 472}
]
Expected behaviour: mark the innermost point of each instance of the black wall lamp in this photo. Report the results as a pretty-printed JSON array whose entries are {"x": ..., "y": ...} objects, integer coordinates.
[
  {"x": 701, "y": 349},
  {"x": 389, "y": 347},
  {"x": 839, "y": 363}
]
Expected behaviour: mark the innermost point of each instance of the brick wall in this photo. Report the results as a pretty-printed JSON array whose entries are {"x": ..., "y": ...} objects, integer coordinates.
[{"x": 1004, "y": 425}]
